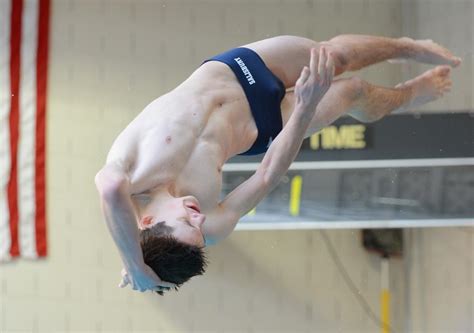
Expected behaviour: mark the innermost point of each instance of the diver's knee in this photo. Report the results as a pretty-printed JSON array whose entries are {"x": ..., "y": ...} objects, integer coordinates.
[{"x": 356, "y": 87}]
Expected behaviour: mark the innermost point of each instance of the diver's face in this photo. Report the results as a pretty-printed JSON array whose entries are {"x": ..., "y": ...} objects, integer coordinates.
[{"x": 184, "y": 216}]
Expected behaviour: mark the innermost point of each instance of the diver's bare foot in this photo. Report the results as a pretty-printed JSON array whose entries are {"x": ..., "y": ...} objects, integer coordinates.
[
  {"x": 429, "y": 86},
  {"x": 429, "y": 52}
]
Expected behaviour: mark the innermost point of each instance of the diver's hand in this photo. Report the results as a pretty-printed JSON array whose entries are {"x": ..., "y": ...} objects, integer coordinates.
[
  {"x": 143, "y": 279},
  {"x": 314, "y": 81}
]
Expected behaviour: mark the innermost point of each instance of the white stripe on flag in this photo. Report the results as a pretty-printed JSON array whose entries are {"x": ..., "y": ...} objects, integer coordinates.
[
  {"x": 5, "y": 237},
  {"x": 26, "y": 146}
]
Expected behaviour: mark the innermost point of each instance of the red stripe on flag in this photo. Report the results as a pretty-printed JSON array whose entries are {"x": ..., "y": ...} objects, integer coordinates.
[
  {"x": 41, "y": 92},
  {"x": 12, "y": 189}
]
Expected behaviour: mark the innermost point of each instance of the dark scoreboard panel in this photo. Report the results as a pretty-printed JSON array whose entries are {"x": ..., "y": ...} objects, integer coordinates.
[
  {"x": 393, "y": 137},
  {"x": 401, "y": 192}
]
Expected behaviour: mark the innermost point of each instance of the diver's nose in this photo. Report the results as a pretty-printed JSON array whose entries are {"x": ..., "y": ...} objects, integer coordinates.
[{"x": 197, "y": 219}]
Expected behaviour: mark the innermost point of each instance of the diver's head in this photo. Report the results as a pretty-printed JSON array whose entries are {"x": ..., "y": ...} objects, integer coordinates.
[
  {"x": 172, "y": 240},
  {"x": 182, "y": 215}
]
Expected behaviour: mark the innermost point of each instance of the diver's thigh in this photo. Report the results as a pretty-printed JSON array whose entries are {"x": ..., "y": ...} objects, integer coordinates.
[
  {"x": 338, "y": 101},
  {"x": 285, "y": 56}
]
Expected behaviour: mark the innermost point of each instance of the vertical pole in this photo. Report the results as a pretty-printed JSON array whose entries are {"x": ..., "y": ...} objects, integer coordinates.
[{"x": 385, "y": 296}]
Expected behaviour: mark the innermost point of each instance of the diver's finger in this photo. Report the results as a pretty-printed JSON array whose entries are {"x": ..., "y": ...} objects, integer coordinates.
[
  {"x": 322, "y": 64},
  {"x": 330, "y": 68},
  {"x": 303, "y": 76},
  {"x": 313, "y": 61},
  {"x": 167, "y": 284},
  {"x": 123, "y": 283}
]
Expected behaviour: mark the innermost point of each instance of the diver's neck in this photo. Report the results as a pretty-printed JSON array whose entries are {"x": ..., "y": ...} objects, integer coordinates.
[{"x": 148, "y": 202}]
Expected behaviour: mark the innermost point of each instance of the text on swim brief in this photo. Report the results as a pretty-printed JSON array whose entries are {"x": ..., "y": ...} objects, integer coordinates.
[{"x": 245, "y": 70}]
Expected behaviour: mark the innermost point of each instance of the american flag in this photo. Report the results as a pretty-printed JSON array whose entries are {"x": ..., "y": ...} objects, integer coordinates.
[{"x": 24, "y": 30}]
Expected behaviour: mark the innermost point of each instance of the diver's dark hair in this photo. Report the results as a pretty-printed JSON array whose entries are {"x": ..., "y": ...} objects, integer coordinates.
[{"x": 172, "y": 260}]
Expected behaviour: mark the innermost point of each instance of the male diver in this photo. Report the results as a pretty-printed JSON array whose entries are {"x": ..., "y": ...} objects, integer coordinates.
[{"x": 160, "y": 186}]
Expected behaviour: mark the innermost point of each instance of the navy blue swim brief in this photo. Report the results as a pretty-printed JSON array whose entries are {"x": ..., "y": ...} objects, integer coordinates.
[{"x": 264, "y": 92}]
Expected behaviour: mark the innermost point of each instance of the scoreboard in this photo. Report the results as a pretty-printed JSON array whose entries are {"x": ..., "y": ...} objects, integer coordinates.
[{"x": 402, "y": 171}]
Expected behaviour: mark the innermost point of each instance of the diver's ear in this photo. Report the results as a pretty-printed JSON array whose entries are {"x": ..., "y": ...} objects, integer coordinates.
[{"x": 145, "y": 222}]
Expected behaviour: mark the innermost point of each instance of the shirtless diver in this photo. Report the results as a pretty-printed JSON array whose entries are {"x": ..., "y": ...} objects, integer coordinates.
[{"x": 160, "y": 186}]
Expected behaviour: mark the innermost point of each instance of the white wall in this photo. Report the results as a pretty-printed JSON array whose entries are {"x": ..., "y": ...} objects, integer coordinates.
[
  {"x": 438, "y": 280},
  {"x": 450, "y": 23},
  {"x": 108, "y": 60}
]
